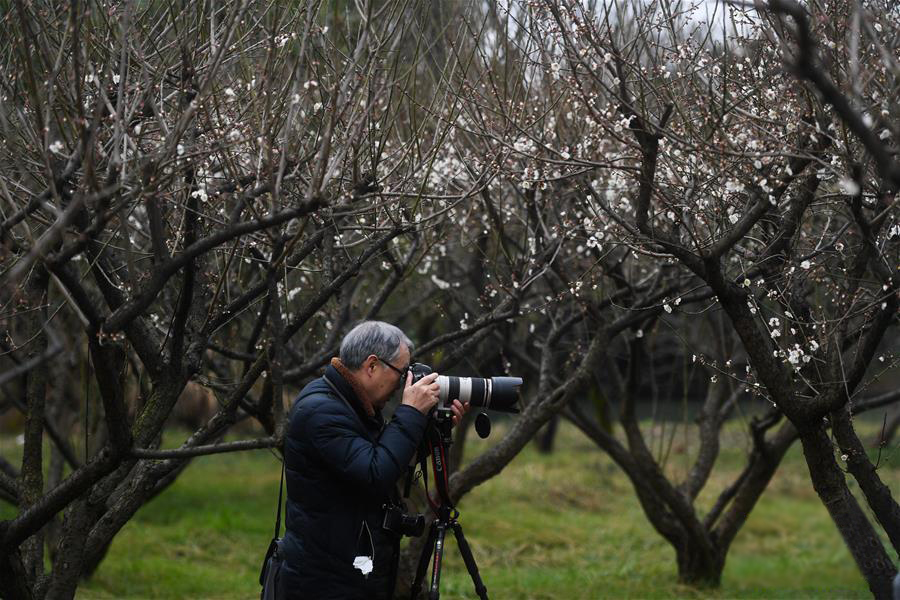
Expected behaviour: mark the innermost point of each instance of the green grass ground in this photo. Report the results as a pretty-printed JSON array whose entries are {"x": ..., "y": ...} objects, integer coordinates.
[{"x": 565, "y": 525}]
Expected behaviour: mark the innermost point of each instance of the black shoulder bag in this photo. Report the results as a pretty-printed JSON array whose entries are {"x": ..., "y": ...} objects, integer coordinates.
[{"x": 270, "y": 575}]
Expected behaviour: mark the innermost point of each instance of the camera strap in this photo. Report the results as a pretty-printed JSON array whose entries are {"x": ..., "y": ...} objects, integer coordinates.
[
  {"x": 280, "y": 496},
  {"x": 410, "y": 475}
]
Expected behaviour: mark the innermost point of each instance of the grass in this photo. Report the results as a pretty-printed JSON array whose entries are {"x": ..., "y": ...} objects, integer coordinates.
[{"x": 565, "y": 525}]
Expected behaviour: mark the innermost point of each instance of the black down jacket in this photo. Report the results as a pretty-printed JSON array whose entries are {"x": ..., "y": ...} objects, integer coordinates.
[{"x": 341, "y": 468}]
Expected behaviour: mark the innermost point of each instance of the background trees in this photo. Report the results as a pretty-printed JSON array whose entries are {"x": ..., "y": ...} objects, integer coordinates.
[
  {"x": 625, "y": 203},
  {"x": 708, "y": 156},
  {"x": 198, "y": 193}
]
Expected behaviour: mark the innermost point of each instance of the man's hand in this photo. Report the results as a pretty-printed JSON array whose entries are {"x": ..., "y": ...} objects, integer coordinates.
[
  {"x": 459, "y": 409},
  {"x": 423, "y": 395}
]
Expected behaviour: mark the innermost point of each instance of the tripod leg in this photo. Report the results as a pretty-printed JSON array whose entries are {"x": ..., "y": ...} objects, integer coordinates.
[
  {"x": 422, "y": 567},
  {"x": 435, "y": 592},
  {"x": 466, "y": 552}
]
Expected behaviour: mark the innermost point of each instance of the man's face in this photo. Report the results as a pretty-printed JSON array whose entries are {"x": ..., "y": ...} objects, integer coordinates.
[{"x": 388, "y": 376}]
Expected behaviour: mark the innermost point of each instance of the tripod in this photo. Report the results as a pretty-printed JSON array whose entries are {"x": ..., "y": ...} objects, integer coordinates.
[{"x": 446, "y": 515}]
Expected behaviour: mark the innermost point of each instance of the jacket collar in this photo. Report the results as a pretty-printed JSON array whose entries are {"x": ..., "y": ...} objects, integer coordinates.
[{"x": 341, "y": 377}]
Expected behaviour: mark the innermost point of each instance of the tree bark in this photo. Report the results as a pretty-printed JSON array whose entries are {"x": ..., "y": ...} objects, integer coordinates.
[
  {"x": 878, "y": 495},
  {"x": 32, "y": 485},
  {"x": 12, "y": 574},
  {"x": 850, "y": 520},
  {"x": 697, "y": 566},
  {"x": 548, "y": 436},
  {"x": 70, "y": 555}
]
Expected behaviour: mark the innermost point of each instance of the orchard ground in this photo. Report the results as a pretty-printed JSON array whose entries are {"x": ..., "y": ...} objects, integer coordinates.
[{"x": 564, "y": 525}]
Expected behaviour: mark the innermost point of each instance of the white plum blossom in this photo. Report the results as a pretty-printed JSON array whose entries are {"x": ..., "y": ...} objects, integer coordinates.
[
  {"x": 774, "y": 322},
  {"x": 805, "y": 264},
  {"x": 848, "y": 186},
  {"x": 524, "y": 145},
  {"x": 796, "y": 355},
  {"x": 554, "y": 70},
  {"x": 201, "y": 194},
  {"x": 56, "y": 147},
  {"x": 440, "y": 283},
  {"x": 733, "y": 186}
]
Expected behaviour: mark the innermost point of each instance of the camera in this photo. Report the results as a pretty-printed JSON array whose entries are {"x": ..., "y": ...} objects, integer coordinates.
[
  {"x": 496, "y": 393},
  {"x": 399, "y": 522}
]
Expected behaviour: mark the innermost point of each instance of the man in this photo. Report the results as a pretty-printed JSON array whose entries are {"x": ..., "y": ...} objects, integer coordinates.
[{"x": 342, "y": 464}]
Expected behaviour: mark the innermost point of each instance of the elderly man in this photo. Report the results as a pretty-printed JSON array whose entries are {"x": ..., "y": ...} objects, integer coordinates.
[{"x": 343, "y": 462}]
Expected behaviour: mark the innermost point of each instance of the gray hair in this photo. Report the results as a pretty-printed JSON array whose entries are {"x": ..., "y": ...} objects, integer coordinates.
[{"x": 372, "y": 337}]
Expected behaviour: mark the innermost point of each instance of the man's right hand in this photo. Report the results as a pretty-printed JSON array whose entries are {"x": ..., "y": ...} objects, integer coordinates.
[{"x": 422, "y": 395}]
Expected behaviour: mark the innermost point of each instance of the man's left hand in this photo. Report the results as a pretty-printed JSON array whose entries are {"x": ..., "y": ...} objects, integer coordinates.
[{"x": 459, "y": 409}]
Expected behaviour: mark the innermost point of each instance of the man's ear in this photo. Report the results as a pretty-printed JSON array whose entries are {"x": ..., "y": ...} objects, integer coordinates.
[{"x": 370, "y": 362}]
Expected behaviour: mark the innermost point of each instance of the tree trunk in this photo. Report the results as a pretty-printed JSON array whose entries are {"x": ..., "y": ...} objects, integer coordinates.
[
  {"x": 740, "y": 499},
  {"x": 69, "y": 556},
  {"x": 878, "y": 495},
  {"x": 12, "y": 574},
  {"x": 457, "y": 450},
  {"x": 697, "y": 567},
  {"x": 548, "y": 436},
  {"x": 102, "y": 534},
  {"x": 62, "y": 410},
  {"x": 858, "y": 533},
  {"x": 32, "y": 485},
  {"x": 700, "y": 560}
]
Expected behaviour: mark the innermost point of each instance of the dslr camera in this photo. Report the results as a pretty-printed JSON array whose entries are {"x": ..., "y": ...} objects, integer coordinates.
[
  {"x": 494, "y": 393},
  {"x": 399, "y": 522}
]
